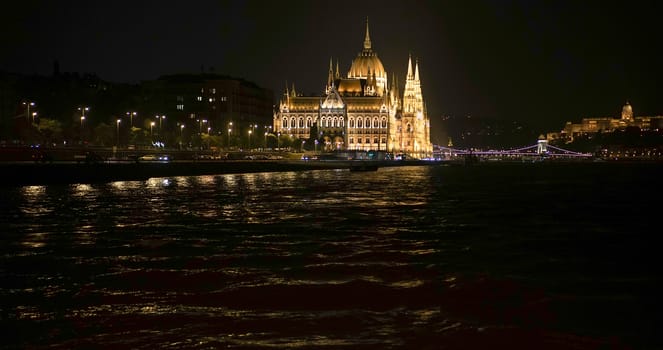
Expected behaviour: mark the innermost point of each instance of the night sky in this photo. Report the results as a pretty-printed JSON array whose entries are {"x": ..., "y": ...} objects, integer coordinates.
[{"x": 542, "y": 62}]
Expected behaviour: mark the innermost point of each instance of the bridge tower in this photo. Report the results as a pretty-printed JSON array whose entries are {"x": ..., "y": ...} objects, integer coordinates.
[{"x": 541, "y": 147}]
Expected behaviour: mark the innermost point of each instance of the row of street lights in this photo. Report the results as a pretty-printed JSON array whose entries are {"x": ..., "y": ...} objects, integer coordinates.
[{"x": 131, "y": 114}]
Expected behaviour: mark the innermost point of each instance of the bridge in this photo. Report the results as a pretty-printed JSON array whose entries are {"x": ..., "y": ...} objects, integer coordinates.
[{"x": 539, "y": 150}]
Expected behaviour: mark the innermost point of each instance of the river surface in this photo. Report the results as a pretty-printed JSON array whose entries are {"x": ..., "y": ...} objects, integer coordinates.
[{"x": 520, "y": 256}]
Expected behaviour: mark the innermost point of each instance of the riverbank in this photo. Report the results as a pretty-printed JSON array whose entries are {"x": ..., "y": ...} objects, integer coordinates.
[
  {"x": 71, "y": 172},
  {"x": 31, "y": 173}
]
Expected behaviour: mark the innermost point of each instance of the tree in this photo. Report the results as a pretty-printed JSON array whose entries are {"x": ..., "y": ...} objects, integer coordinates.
[
  {"x": 209, "y": 141},
  {"x": 104, "y": 134},
  {"x": 50, "y": 130}
]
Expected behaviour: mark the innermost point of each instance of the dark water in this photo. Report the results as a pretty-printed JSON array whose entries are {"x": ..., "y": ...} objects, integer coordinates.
[{"x": 506, "y": 256}]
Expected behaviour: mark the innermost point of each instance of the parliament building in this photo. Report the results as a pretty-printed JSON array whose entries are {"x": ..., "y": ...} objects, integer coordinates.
[{"x": 360, "y": 111}]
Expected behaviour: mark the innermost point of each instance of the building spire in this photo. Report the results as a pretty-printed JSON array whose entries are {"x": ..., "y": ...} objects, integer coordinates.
[
  {"x": 367, "y": 40},
  {"x": 287, "y": 93},
  {"x": 416, "y": 70},
  {"x": 409, "y": 67},
  {"x": 338, "y": 74},
  {"x": 330, "y": 76}
]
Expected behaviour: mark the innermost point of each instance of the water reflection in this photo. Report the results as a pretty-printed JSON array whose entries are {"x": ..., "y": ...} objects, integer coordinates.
[
  {"x": 394, "y": 258},
  {"x": 35, "y": 240}
]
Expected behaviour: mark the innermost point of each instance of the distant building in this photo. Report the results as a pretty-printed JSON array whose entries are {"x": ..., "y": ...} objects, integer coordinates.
[
  {"x": 218, "y": 100},
  {"x": 360, "y": 111},
  {"x": 607, "y": 124}
]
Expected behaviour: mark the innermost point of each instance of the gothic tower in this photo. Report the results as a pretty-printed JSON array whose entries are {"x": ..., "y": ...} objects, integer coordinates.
[{"x": 414, "y": 128}]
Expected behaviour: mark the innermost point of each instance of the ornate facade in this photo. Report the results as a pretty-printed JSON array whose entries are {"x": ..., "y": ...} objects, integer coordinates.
[{"x": 362, "y": 111}]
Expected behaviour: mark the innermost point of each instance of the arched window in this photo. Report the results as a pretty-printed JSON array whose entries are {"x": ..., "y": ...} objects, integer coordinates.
[
  {"x": 301, "y": 122},
  {"x": 285, "y": 123},
  {"x": 292, "y": 122},
  {"x": 340, "y": 122},
  {"x": 322, "y": 121},
  {"x": 376, "y": 123},
  {"x": 352, "y": 123},
  {"x": 384, "y": 122},
  {"x": 368, "y": 122},
  {"x": 308, "y": 122},
  {"x": 359, "y": 125},
  {"x": 335, "y": 122},
  {"x": 375, "y": 140}
]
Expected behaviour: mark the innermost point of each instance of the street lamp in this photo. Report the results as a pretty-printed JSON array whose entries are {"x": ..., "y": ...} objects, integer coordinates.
[
  {"x": 34, "y": 114},
  {"x": 28, "y": 105},
  {"x": 117, "y": 128},
  {"x": 278, "y": 141},
  {"x": 230, "y": 128},
  {"x": 161, "y": 118},
  {"x": 131, "y": 117},
  {"x": 301, "y": 148},
  {"x": 83, "y": 110},
  {"x": 151, "y": 134},
  {"x": 82, "y": 119},
  {"x": 264, "y": 146},
  {"x": 181, "y": 128},
  {"x": 200, "y": 125},
  {"x": 250, "y": 139}
]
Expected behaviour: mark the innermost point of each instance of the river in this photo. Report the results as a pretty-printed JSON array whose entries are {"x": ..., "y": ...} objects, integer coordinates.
[{"x": 522, "y": 256}]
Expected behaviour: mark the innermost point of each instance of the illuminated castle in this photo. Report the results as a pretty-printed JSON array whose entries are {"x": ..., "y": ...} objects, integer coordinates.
[
  {"x": 361, "y": 111},
  {"x": 607, "y": 124}
]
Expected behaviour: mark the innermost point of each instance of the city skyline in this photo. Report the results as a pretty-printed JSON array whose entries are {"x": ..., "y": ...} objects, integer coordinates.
[{"x": 536, "y": 63}]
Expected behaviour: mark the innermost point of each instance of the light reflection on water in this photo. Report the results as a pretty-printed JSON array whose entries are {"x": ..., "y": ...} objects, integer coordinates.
[{"x": 401, "y": 257}]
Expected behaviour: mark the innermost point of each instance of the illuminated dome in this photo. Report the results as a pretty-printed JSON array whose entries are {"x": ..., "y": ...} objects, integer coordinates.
[
  {"x": 367, "y": 62},
  {"x": 627, "y": 111}
]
